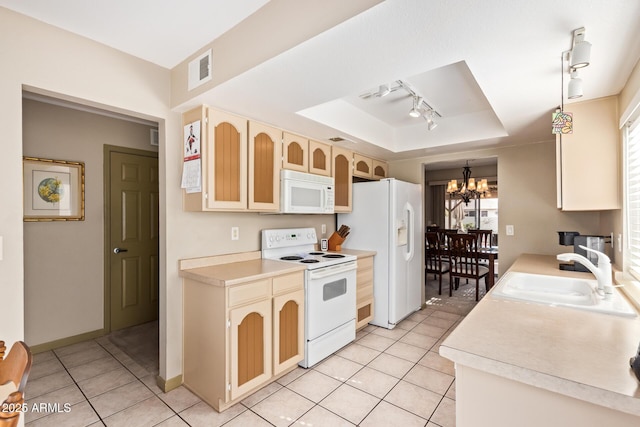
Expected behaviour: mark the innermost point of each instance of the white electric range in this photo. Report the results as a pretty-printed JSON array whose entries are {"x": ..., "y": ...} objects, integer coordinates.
[{"x": 330, "y": 289}]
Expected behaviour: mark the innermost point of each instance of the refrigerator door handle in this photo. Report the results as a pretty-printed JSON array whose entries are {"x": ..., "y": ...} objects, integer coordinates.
[{"x": 411, "y": 238}]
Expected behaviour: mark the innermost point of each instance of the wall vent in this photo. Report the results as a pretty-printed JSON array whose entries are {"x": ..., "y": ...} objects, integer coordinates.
[{"x": 200, "y": 70}]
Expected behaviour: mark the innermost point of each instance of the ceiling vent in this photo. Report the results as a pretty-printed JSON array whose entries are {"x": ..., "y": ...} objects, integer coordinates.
[{"x": 200, "y": 70}]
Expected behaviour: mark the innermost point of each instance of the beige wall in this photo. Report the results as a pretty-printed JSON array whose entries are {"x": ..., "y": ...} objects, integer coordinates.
[
  {"x": 527, "y": 185},
  {"x": 49, "y": 60},
  {"x": 64, "y": 262}
]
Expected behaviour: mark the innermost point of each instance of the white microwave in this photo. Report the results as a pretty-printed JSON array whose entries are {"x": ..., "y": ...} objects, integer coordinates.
[{"x": 305, "y": 193}]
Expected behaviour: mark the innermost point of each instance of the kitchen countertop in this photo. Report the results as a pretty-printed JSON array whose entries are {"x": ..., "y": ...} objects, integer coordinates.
[
  {"x": 240, "y": 272},
  {"x": 576, "y": 353},
  {"x": 356, "y": 252}
]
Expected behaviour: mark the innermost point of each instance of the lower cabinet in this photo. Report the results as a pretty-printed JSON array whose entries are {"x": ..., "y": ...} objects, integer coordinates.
[
  {"x": 239, "y": 338},
  {"x": 364, "y": 291}
]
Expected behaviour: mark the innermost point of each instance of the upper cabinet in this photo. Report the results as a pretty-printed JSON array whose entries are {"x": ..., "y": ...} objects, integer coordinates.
[
  {"x": 587, "y": 160},
  {"x": 380, "y": 169},
  {"x": 319, "y": 158},
  {"x": 295, "y": 152},
  {"x": 362, "y": 166},
  {"x": 342, "y": 175},
  {"x": 223, "y": 144},
  {"x": 265, "y": 154}
]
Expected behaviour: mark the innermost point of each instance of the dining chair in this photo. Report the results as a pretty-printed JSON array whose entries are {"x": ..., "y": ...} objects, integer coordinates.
[
  {"x": 434, "y": 264},
  {"x": 484, "y": 237},
  {"x": 464, "y": 261},
  {"x": 14, "y": 371}
]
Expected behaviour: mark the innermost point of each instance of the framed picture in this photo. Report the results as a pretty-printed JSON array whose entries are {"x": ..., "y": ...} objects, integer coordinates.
[{"x": 53, "y": 190}]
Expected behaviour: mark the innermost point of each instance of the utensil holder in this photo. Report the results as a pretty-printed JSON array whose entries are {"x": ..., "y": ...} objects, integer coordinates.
[{"x": 335, "y": 242}]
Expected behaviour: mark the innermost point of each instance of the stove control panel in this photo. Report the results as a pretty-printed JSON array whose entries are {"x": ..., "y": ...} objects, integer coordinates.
[{"x": 285, "y": 237}]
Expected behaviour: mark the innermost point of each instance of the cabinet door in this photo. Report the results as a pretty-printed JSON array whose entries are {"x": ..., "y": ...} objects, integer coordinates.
[
  {"x": 362, "y": 166},
  {"x": 342, "y": 174},
  {"x": 364, "y": 292},
  {"x": 265, "y": 154},
  {"x": 227, "y": 162},
  {"x": 319, "y": 158},
  {"x": 588, "y": 165},
  {"x": 295, "y": 152},
  {"x": 250, "y": 340},
  {"x": 288, "y": 330},
  {"x": 380, "y": 169}
]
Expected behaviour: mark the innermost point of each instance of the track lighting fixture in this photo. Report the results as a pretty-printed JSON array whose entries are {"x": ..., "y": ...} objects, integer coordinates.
[
  {"x": 420, "y": 108},
  {"x": 580, "y": 50},
  {"x": 578, "y": 57}
]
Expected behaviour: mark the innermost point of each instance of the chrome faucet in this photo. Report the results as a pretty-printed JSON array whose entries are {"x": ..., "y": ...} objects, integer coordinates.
[{"x": 602, "y": 271}]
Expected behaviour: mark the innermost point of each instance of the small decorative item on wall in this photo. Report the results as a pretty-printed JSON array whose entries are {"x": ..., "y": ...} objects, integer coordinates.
[
  {"x": 562, "y": 122},
  {"x": 53, "y": 190}
]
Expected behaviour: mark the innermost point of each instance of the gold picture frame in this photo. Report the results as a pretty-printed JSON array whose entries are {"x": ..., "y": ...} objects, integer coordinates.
[{"x": 53, "y": 190}]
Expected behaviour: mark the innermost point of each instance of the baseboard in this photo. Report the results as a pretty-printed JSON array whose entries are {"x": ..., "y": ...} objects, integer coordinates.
[
  {"x": 170, "y": 384},
  {"x": 63, "y": 342}
]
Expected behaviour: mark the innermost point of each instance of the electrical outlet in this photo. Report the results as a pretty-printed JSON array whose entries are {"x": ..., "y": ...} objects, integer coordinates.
[
  {"x": 1, "y": 244},
  {"x": 235, "y": 233},
  {"x": 510, "y": 230},
  {"x": 324, "y": 229}
]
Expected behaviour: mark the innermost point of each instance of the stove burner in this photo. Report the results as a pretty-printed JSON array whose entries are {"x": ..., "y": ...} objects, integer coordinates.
[
  {"x": 309, "y": 261},
  {"x": 333, "y": 256},
  {"x": 291, "y": 258},
  {"x": 316, "y": 253}
]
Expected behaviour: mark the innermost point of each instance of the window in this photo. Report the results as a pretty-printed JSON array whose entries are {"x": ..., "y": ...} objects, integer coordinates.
[{"x": 632, "y": 205}]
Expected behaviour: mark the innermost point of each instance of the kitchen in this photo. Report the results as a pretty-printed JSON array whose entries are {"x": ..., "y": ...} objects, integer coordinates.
[{"x": 187, "y": 235}]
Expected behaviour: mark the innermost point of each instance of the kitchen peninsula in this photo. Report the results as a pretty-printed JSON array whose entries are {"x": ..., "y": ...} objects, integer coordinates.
[{"x": 526, "y": 364}]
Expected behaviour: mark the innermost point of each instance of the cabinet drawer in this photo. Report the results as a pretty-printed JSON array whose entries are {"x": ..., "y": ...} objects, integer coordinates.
[
  {"x": 254, "y": 291},
  {"x": 363, "y": 276},
  {"x": 365, "y": 263},
  {"x": 288, "y": 282}
]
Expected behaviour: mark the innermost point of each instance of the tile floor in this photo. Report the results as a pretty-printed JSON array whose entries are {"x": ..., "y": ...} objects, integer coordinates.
[{"x": 385, "y": 378}]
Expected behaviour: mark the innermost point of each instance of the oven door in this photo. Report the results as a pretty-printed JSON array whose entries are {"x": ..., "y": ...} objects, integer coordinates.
[{"x": 330, "y": 298}]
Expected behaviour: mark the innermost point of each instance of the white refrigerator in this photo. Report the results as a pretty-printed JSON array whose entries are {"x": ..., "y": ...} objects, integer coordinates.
[{"x": 387, "y": 218}]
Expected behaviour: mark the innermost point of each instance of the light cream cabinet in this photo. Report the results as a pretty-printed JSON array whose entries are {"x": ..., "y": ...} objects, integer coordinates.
[
  {"x": 362, "y": 166},
  {"x": 364, "y": 291},
  {"x": 319, "y": 158},
  {"x": 295, "y": 152},
  {"x": 223, "y": 161},
  {"x": 342, "y": 166},
  {"x": 239, "y": 338},
  {"x": 587, "y": 161},
  {"x": 265, "y": 154},
  {"x": 380, "y": 169}
]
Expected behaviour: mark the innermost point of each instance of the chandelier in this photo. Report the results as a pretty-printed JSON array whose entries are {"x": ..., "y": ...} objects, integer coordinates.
[{"x": 469, "y": 189}]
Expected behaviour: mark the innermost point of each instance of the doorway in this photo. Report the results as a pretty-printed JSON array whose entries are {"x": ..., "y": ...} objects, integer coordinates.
[{"x": 131, "y": 237}]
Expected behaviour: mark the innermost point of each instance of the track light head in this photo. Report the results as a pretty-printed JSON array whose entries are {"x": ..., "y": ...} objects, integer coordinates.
[
  {"x": 581, "y": 50},
  {"x": 415, "y": 111},
  {"x": 575, "y": 85}
]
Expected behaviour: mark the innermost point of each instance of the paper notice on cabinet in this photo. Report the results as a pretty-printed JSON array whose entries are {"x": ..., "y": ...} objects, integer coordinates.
[{"x": 192, "y": 165}]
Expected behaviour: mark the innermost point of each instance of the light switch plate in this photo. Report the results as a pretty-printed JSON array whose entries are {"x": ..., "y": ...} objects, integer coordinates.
[
  {"x": 510, "y": 230},
  {"x": 1, "y": 245}
]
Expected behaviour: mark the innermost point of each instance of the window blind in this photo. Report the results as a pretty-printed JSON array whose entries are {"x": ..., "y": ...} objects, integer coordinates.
[{"x": 633, "y": 197}]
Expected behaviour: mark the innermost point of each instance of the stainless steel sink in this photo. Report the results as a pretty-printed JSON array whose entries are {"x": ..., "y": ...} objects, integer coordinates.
[{"x": 560, "y": 291}]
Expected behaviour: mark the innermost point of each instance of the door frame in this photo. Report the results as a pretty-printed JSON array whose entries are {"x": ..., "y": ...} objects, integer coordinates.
[{"x": 106, "y": 168}]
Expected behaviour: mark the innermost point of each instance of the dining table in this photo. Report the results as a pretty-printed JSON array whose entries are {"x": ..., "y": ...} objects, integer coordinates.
[{"x": 490, "y": 254}]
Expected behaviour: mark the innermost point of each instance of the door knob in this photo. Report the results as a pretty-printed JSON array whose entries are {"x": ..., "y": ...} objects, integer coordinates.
[{"x": 118, "y": 250}]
